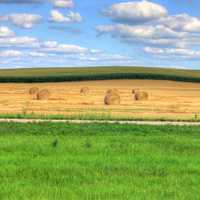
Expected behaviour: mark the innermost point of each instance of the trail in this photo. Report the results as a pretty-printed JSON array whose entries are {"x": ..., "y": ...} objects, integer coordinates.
[{"x": 155, "y": 123}]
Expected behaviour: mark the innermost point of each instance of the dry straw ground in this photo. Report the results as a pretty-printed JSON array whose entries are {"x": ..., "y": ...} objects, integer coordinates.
[{"x": 166, "y": 99}]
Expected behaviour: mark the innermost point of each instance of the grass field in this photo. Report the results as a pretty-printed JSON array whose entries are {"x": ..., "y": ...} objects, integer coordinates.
[
  {"x": 168, "y": 100},
  {"x": 62, "y": 161}
]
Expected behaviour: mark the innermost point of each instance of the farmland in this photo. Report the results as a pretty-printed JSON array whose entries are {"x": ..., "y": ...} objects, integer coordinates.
[
  {"x": 34, "y": 72},
  {"x": 96, "y": 73},
  {"x": 167, "y": 100},
  {"x": 55, "y": 161},
  {"x": 98, "y": 161}
]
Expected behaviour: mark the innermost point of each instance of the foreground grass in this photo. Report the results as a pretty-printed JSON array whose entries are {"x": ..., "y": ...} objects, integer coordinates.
[{"x": 68, "y": 161}]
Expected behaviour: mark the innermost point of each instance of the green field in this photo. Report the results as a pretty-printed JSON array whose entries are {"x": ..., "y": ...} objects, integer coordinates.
[
  {"x": 67, "y": 161},
  {"x": 96, "y": 73},
  {"x": 95, "y": 70}
]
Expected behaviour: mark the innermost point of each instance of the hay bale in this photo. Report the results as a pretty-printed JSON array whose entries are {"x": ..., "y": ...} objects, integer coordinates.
[
  {"x": 112, "y": 99},
  {"x": 33, "y": 90},
  {"x": 140, "y": 96},
  {"x": 134, "y": 91},
  {"x": 112, "y": 91},
  {"x": 43, "y": 95},
  {"x": 84, "y": 90}
]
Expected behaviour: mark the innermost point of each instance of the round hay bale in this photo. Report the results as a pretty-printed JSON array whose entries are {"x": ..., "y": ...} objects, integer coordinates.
[
  {"x": 140, "y": 96},
  {"x": 112, "y": 99},
  {"x": 43, "y": 95},
  {"x": 134, "y": 91},
  {"x": 33, "y": 90},
  {"x": 112, "y": 91},
  {"x": 84, "y": 90}
]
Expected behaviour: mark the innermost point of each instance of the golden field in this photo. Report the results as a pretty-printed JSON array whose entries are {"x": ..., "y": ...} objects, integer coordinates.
[{"x": 167, "y": 99}]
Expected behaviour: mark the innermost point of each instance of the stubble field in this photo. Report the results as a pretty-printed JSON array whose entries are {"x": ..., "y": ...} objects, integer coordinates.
[{"x": 167, "y": 99}]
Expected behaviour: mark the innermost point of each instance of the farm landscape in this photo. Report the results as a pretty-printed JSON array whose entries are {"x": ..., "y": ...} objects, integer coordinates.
[
  {"x": 81, "y": 117},
  {"x": 166, "y": 99},
  {"x": 99, "y": 161}
]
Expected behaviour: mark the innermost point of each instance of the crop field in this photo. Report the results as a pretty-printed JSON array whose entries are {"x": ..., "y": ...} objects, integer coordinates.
[
  {"x": 96, "y": 73},
  {"x": 59, "y": 161},
  {"x": 167, "y": 99},
  {"x": 36, "y": 72}
]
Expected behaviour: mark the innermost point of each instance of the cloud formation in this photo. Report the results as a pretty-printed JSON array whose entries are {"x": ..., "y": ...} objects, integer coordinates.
[
  {"x": 23, "y": 20},
  {"x": 25, "y": 47},
  {"x": 29, "y": 51},
  {"x": 173, "y": 52},
  {"x": 182, "y": 22},
  {"x": 6, "y": 32},
  {"x": 55, "y": 47},
  {"x": 37, "y": 54},
  {"x": 33, "y": 43},
  {"x": 144, "y": 23},
  {"x": 10, "y": 53},
  {"x": 135, "y": 12},
  {"x": 71, "y": 17},
  {"x": 63, "y": 3},
  {"x": 19, "y": 42},
  {"x": 139, "y": 31},
  {"x": 21, "y": 1}
]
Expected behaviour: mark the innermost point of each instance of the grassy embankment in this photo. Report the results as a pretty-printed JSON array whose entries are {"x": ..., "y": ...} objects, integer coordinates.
[
  {"x": 59, "y": 161},
  {"x": 97, "y": 73}
]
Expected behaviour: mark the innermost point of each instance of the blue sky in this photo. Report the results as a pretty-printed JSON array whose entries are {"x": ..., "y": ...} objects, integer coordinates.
[{"x": 62, "y": 33}]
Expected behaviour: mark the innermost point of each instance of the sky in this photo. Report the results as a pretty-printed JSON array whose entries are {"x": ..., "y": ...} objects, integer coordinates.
[{"x": 79, "y": 33}]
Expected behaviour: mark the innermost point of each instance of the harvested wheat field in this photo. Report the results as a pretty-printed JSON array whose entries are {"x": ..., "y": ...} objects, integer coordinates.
[{"x": 166, "y": 99}]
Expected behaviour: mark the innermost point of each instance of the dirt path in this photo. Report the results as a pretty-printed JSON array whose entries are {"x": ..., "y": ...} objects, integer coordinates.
[{"x": 157, "y": 123}]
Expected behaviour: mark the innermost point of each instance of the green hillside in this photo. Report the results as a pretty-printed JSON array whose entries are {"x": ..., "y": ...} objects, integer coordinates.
[{"x": 96, "y": 73}]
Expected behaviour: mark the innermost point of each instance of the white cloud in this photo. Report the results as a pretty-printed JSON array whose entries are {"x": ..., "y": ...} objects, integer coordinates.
[
  {"x": 56, "y": 16},
  {"x": 42, "y": 46},
  {"x": 10, "y": 53},
  {"x": 55, "y": 47},
  {"x": 28, "y": 42},
  {"x": 182, "y": 22},
  {"x": 19, "y": 2},
  {"x": 65, "y": 54},
  {"x": 173, "y": 52},
  {"x": 63, "y": 3},
  {"x": 144, "y": 33},
  {"x": 141, "y": 23},
  {"x": 6, "y": 32},
  {"x": 23, "y": 20},
  {"x": 50, "y": 44},
  {"x": 154, "y": 34},
  {"x": 37, "y": 54},
  {"x": 104, "y": 58},
  {"x": 133, "y": 12},
  {"x": 71, "y": 17},
  {"x": 46, "y": 46}
]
